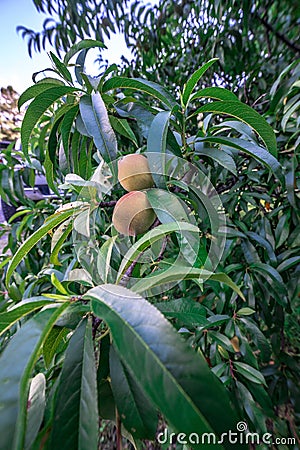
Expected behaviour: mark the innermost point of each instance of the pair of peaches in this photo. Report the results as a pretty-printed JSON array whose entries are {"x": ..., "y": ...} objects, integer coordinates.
[{"x": 133, "y": 214}]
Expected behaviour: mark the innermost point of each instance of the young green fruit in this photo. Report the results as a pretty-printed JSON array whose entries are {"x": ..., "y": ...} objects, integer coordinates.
[
  {"x": 133, "y": 214},
  {"x": 134, "y": 173}
]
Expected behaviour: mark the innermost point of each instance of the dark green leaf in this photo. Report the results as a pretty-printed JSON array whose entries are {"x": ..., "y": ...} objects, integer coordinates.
[
  {"x": 37, "y": 108},
  {"x": 96, "y": 121},
  {"x": 247, "y": 115},
  {"x": 75, "y": 424},
  {"x": 137, "y": 414},
  {"x": 193, "y": 80},
  {"x": 25, "y": 346},
  {"x": 36, "y": 407},
  {"x": 175, "y": 378},
  {"x": 249, "y": 372},
  {"x": 139, "y": 84},
  {"x": 82, "y": 45}
]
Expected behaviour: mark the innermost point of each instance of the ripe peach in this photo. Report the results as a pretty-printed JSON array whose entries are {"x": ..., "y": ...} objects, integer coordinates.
[
  {"x": 133, "y": 214},
  {"x": 134, "y": 173}
]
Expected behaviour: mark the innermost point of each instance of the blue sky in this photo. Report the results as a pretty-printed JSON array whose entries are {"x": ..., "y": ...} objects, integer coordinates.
[{"x": 16, "y": 67}]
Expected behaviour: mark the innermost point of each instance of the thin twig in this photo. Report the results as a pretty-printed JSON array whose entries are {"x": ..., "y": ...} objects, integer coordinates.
[
  {"x": 163, "y": 248},
  {"x": 107, "y": 204},
  {"x": 95, "y": 325},
  {"x": 280, "y": 36},
  {"x": 118, "y": 431}
]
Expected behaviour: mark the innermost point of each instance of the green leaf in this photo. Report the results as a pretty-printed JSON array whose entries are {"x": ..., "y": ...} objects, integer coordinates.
[
  {"x": 221, "y": 340},
  {"x": 156, "y": 147},
  {"x": 66, "y": 128},
  {"x": 85, "y": 44},
  {"x": 61, "y": 68},
  {"x": 217, "y": 93},
  {"x": 264, "y": 243},
  {"x": 249, "y": 372},
  {"x": 175, "y": 378},
  {"x": 257, "y": 152},
  {"x": 245, "y": 312},
  {"x": 137, "y": 414},
  {"x": 219, "y": 156},
  {"x": 193, "y": 80},
  {"x": 247, "y": 115},
  {"x": 24, "y": 347},
  {"x": 106, "y": 401},
  {"x": 75, "y": 424},
  {"x": 178, "y": 272},
  {"x": 33, "y": 239},
  {"x": 36, "y": 408},
  {"x": 169, "y": 208},
  {"x": 288, "y": 263},
  {"x": 22, "y": 309},
  {"x": 185, "y": 310},
  {"x": 37, "y": 108},
  {"x": 139, "y": 84},
  {"x": 96, "y": 121},
  {"x": 149, "y": 238},
  {"x": 122, "y": 127},
  {"x": 269, "y": 271},
  {"x": 157, "y": 137},
  {"x": 258, "y": 338},
  {"x": 55, "y": 337},
  {"x": 65, "y": 231},
  {"x": 35, "y": 90}
]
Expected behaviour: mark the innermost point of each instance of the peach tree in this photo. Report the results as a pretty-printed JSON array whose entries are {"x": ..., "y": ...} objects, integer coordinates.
[{"x": 144, "y": 307}]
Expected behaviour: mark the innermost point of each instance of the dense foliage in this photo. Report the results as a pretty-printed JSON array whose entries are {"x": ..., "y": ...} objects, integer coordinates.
[
  {"x": 254, "y": 41},
  {"x": 194, "y": 324}
]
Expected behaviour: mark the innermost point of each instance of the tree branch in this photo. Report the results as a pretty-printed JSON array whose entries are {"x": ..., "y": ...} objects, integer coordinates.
[{"x": 280, "y": 36}]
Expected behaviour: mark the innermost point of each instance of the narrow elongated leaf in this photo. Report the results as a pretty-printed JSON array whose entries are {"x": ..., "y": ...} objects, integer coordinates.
[
  {"x": 36, "y": 407},
  {"x": 264, "y": 243},
  {"x": 175, "y": 378},
  {"x": 37, "y": 108},
  {"x": 139, "y": 84},
  {"x": 178, "y": 272},
  {"x": 66, "y": 127},
  {"x": 25, "y": 345},
  {"x": 257, "y": 152},
  {"x": 55, "y": 337},
  {"x": 193, "y": 80},
  {"x": 122, "y": 127},
  {"x": 249, "y": 372},
  {"x": 219, "y": 156},
  {"x": 33, "y": 239},
  {"x": 156, "y": 144},
  {"x": 96, "y": 121},
  {"x": 157, "y": 137},
  {"x": 217, "y": 93},
  {"x": 35, "y": 90},
  {"x": 267, "y": 270},
  {"x": 247, "y": 115},
  {"x": 185, "y": 310},
  {"x": 61, "y": 68},
  {"x": 85, "y": 44},
  {"x": 169, "y": 208},
  {"x": 258, "y": 338},
  {"x": 288, "y": 263},
  {"x": 149, "y": 238},
  {"x": 65, "y": 231},
  {"x": 137, "y": 414},
  {"x": 75, "y": 424},
  {"x": 22, "y": 309}
]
